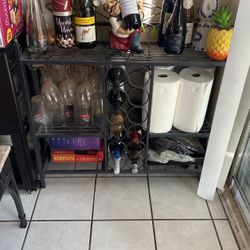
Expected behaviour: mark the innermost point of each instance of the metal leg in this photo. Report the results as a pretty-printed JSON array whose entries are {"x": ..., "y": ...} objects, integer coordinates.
[
  {"x": 24, "y": 161},
  {"x": 12, "y": 188}
]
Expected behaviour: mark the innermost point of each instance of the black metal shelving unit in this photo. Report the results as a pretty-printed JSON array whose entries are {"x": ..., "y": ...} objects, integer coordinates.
[{"x": 106, "y": 58}]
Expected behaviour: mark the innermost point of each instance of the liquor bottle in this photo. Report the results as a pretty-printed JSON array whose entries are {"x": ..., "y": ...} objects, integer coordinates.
[
  {"x": 176, "y": 30},
  {"x": 116, "y": 97},
  {"x": 68, "y": 89},
  {"x": 85, "y": 28},
  {"x": 189, "y": 17},
  {"x": 116, "y": 76},
  {"x": 134, "y": 149},
  {"x": 116, "y": 149},
  {"x": 54, "y": 99},
  {"x": 36, "y": 33},
  {"x": 167, "y": 9},
  {"x": 130, "y": 14}
]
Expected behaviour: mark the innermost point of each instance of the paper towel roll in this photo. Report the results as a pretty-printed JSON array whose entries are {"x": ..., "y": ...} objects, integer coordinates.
[
  {"x": 193, "y": 98},
  {"x": 165, "y": 93},
  {"x": 210, "y": 69}
]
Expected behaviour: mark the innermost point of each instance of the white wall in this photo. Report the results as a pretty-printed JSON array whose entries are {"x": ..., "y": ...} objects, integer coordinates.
[
  {"x": 237, "y": 130},
  {"x": 229, "y": 98}
]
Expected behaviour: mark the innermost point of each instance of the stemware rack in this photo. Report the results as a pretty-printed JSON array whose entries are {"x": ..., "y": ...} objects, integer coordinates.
[{"x": 134, "y": 86}]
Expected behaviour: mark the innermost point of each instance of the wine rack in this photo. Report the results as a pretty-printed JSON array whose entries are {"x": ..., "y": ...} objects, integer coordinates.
[{"x": 136, "y": 108}]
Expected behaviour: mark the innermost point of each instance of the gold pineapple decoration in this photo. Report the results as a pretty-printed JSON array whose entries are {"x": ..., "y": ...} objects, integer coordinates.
[{"x": 219, "y": 37}]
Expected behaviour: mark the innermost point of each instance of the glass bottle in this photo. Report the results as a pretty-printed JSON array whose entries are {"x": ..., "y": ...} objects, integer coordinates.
[
  {"x": 116, "y": 123},
  {"x": 116, "y": 95},
  {"x": 85, "y": 24},
  {"x": 130, "y": 13},
  {"x": 49, "y": 23},
  {"x": 176, "y": 30},
  {"x": 167, "y": 9},
  {"x": 189, "y": 17},
  {"x": 84, "y": 100},
  {"x": 134, "y": 149},
  {"x": 116, "y": 149},
  {"x": 39, "y": 109},
  {"x": 68, "y": 89},
  {"x": 54, "y": 99},
  {"x": 36, "y": 34}
]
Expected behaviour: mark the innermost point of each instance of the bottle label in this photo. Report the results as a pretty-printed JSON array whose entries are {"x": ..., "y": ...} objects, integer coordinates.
[
  {"x": 189, "y": 33},
  {"x": 85, "y": 20},
  {"x": 128, "y": 7},
  {"x": 85, "y": 117},
  {"x": 64, "y": 31},
  {"x": 174, "y": 42},
  {"x": 85, "y": 34},
  {"x": 188, "y": 4},
  {"x": 166, "y": 18}
]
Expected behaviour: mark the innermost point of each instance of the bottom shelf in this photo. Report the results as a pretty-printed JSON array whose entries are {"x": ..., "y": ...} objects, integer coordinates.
[{"x": 171, "y": 169}]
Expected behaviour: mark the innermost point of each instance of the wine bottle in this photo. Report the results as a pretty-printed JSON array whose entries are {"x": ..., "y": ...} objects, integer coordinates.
[
  {"x": 167, "y": 9},
  {"x": 189, "y": 17},
  {"x": 134, "y": 149},
  {"x": 176, "y": 30},
  {"x": 85, "y": 28},
  {"x": 130, "y": 14},
  {"x": 116, "y": 149}
]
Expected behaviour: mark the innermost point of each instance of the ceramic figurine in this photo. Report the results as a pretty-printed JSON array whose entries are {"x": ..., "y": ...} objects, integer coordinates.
[{"x": 120, "y": 37}]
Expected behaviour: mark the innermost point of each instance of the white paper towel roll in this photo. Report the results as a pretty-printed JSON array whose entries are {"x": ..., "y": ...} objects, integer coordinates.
[
  {"x": 165, "y": 93},
  {"x": 193, "y": 98}
]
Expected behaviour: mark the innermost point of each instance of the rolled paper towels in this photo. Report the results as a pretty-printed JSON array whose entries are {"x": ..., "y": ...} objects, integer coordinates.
[
  {"x": 210, "y": 69},
  {"x": 193, "y": 98},
  {"x": 165, "y": 93}
]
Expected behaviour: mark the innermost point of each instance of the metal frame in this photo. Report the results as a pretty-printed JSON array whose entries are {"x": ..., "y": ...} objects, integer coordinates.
[{"x": 103, "y": 56}]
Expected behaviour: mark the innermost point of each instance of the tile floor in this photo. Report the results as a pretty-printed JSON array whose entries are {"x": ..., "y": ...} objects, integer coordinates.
[{"x": 116, "y": 213}]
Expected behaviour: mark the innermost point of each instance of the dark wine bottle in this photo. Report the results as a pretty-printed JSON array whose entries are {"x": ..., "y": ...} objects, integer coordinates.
[
  {"x": 130, "y": 14},
  {"x": 176, "y": 30},
  {"x": 189, "y": 17},
  {"x": 167, "y": 9},
  {"x": 85, "y": 28},
  {"x": 116, "y": 95}
]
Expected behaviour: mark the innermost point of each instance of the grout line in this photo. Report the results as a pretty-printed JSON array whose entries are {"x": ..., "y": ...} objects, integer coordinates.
[
  {"x": 31, "y": 217},
  {"x": 235, "y": 238},
  {"x": 152, "y": 214},
  {"x": 92, "y": 215},
  {"x": 215, "y": 229},
  {"x": 61, "y": 220},
  {"x": 70, "y": 177}
]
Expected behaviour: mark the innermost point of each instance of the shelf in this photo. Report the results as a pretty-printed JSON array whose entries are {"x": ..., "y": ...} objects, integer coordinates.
[
  {"x": 203, "y": 133},
  {"x": 69, "y": 131},
  {"x": 103, "y": 55}
]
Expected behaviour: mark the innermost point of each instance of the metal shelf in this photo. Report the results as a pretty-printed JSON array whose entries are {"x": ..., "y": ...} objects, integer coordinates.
[
  {"x": 103, "y": 55},
  {"x": 67, "y": 131},
  {"x": 203, "y": 133}
]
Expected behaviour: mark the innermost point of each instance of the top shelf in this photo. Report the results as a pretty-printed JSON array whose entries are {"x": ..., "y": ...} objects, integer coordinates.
[{"x": 103, "y": 55}]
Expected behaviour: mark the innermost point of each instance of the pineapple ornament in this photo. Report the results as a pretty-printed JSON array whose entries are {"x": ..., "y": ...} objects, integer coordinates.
[{"x": 219, "y": 37}]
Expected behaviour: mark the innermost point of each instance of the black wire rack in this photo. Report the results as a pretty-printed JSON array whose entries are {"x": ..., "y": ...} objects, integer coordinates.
[{"x": 136, "y": 109}]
